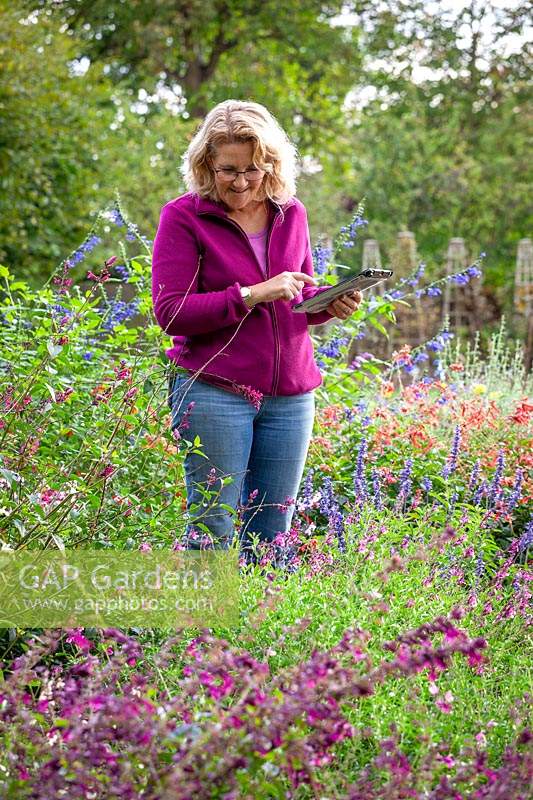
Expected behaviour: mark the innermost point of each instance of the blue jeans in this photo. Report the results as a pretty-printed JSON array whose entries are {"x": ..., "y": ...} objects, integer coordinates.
[{"x": 263, "y": 449}]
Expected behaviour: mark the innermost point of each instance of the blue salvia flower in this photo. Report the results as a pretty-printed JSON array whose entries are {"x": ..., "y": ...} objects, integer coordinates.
[
  {"x": 116, "y": 217},
  {"x": 378, "y": 503},
  {"x": 396, "y": 294},
  {"x": 349, "y": 232},
  {"x": 87, "y": 356},
  {"x": 421, "y": 356},
  {"x": 308, "y": 488},
  {"x": 336, "y": 521},
  {"x": 433, "y": 291},
  {"x": 412, "y": 280},
  {"x": 435, "y": 345},
  {"x": 495, "y": 487},
  {"x": 332, "y": 349},
  {"x": 61, "y": 311},
  {"x": 327, "y": 499},
  {"x": 526, "y": 540},
  {"x": 405, "y": 479},
  {"x": 122, "y": 272},
  {"x": 426, "y": 484},
  {"x": 474, "y": 476},
  {"x": 461, "y": 278},
  {"x": 438, "y": 343},
  {"x": 328, "y": 505},
  {"x": 119, "y": 311},
  {"x": 321, "y": 258},
  {"x": 451, "y": 507},
  {"x": 349, "y": 413},
  {"x": 88, "y": 245},
  {"x": 359, "y": 474},
  {"x": 479, "y": 493},
  {"x": 451, "y": 466},
  {"x": 516, "y": 493}
]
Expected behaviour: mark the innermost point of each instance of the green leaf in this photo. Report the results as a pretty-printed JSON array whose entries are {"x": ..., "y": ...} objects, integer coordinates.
[
  {"x": 51, "y": 390},
  {"x": 53, "y": 349}
]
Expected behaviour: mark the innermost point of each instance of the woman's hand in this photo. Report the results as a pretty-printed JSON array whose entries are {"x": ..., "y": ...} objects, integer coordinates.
[
  {"x": 285, "y": 286},
  {"x": 345, "y": 305}
]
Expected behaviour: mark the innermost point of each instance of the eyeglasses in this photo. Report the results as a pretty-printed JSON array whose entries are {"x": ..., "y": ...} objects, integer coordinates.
[{"x": 226, "y": 174}]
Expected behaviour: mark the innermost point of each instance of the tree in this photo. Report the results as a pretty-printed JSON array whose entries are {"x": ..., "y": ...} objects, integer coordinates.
[
  {"x": 289, "y": 55},
  {"x": 52, "y": 123}
]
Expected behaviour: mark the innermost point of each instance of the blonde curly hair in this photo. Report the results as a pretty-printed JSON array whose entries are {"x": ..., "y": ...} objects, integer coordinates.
[{"x": 242, "y": 121}]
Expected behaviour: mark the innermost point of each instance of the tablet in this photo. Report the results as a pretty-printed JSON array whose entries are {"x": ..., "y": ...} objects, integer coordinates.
[{"x": 364, "y": 280}]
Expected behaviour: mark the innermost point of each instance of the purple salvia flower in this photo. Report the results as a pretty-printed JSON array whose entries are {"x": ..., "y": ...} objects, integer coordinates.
[
  {"x": 479, "y": 493},
  {"x": 359, "y": 474},
  {"x": 474, "y": 476},
  {"x": 451, "y": 466},
  {"x": 495, "y": 487},
  {"x": 426, "y": 484},
  {"x": 405, "y": 478},
  {"x": 327, "y": 500},
  {"x": 516, "y": 493},
  {"x": 336, "y": 521},
  {"x": 526, "y": 540},
  {"x": 451, "y": 507},
  {"x": 308, "y": 489},
  {"x": 378, "y": 503}
]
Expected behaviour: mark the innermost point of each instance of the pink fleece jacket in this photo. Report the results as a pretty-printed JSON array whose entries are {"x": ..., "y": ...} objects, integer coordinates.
[{"x": 201, "y": 258}]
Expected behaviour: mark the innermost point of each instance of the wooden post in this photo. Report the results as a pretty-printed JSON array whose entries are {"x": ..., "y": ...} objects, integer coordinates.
[
  {"x": 523, "y": 282},
  {"x": 404, "y": 256},
  {"x": 372, "y": 260},
  {"x": 523, "y": 295},
  {"x": 456, "y": 260}
]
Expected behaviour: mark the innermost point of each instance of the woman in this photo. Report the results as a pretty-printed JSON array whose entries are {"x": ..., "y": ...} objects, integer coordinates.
[{"x": 231, "y": 257}]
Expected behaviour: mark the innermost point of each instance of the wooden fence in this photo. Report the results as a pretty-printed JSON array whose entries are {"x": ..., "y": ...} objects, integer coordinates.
[{"x": 468, "y": 307}]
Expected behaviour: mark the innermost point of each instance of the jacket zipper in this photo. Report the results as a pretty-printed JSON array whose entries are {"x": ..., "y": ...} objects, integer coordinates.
[
  {"x": 271, "y": 308},
  {"x": 274, "y": 317}
]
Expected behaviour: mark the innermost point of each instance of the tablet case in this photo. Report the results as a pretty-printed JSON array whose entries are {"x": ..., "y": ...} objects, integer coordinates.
[{"x": 364, "y": 280}]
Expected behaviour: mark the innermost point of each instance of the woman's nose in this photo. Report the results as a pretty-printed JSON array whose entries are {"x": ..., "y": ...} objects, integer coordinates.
[{"x": 240, "y": 180}]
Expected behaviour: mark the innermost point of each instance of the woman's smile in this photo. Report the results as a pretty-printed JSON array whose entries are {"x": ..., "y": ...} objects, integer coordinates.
[{"x": 240, "y": 194}]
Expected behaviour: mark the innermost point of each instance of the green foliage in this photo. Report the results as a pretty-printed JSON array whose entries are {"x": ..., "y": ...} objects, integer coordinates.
[{"x": 53, "y": 125}]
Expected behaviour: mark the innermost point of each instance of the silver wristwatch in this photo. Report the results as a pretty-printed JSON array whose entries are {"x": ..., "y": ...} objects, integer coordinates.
[{"x": 246, "y": 292}]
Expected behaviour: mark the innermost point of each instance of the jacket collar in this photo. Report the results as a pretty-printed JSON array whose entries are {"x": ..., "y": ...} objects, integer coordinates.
[{"x": 205, "y": 206}]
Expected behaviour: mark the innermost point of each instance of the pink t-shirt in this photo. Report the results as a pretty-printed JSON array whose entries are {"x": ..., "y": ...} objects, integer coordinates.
[{"x": 259, "y": 244}]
